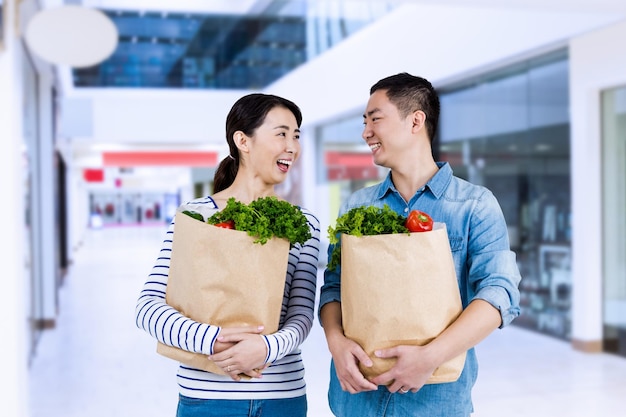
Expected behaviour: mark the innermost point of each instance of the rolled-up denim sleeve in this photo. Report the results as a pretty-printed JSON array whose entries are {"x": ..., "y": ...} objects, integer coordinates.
[
  {"x": 493, "y": 271},
  {"x": 499, "y": 287},
  {"x": 331, "y": 289}
]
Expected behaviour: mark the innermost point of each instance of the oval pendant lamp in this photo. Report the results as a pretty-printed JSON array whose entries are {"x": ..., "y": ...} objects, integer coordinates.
[{"x": 71, "y": 35}]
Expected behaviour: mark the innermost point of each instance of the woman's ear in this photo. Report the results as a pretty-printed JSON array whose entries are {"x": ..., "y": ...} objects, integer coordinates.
[{"x": 241, "y": 141}]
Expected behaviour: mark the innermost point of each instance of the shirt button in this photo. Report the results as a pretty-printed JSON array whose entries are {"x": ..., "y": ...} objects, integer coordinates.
[{"x": 406, "y": 209}]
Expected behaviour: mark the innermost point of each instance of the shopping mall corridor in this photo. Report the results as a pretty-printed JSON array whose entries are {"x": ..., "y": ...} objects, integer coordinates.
[{"x": 96, "y": 363}]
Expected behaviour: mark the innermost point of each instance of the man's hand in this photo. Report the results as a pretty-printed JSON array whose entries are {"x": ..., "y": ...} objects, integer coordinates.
[
  {"x": 411, "y": 371},
  {"x": 417, "y": 363},
  {"x": 346, "y": 353}
]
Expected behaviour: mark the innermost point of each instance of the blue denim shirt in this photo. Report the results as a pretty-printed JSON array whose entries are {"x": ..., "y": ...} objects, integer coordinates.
[{"x": 486, "y": 269}]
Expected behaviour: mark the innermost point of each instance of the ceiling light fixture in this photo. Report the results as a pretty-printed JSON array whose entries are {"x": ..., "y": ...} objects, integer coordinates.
[{"x": 71, "y": 35}]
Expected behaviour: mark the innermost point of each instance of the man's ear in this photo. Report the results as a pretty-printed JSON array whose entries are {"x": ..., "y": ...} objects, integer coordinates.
[{"x": 419, "y": 120}]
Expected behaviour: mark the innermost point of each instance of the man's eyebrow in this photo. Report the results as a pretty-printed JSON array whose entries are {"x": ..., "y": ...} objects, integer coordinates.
[{"x": 369, "y": 113}]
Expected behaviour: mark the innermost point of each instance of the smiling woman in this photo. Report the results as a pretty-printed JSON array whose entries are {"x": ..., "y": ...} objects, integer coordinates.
[{"x": 231, "y": 358}]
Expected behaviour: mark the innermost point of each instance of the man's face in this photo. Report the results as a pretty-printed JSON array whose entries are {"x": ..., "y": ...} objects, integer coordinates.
[{"x": 385, "y": 131}]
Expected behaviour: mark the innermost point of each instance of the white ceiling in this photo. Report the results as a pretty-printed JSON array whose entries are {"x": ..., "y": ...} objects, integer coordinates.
[
  {"x": 242, "y": 6},
  {"x": 595, "y": 6}
]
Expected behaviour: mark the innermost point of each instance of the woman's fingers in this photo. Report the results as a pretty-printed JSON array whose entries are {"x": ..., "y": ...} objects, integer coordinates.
[{"x": 241, "y": 329}]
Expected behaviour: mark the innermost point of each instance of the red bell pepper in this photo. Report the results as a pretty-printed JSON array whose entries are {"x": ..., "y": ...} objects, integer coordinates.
[
  {"x": 418, "y": 221},
  {"x": 228, "y": 224}
]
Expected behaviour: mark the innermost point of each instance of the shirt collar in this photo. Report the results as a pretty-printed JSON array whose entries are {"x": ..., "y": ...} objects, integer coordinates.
[{"x": 437, "y": 184}]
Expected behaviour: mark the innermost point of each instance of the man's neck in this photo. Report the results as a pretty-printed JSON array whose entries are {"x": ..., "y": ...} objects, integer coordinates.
[{"x": 408, "y": 180}]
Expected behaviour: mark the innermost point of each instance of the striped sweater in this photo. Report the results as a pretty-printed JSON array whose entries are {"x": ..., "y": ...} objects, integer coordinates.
[{"x": 284, "y": 378}]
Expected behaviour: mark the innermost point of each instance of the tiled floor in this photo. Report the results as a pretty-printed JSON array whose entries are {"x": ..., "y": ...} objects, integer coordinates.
[{"x": 96, "y": 363}]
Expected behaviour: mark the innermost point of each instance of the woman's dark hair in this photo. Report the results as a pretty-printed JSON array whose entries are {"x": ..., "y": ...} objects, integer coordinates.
[
  {"x": 410, "y": 93},
  {"x": 246, "y": 115}
]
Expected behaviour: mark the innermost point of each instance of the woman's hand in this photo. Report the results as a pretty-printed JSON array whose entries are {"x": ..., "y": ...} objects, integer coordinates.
[
  {"x": 241, "y": 352},
  {"x": 221, "y": 345}
]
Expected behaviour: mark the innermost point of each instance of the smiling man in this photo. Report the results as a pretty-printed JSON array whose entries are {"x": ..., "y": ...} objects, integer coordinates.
[{"x": 400, "y": 122}]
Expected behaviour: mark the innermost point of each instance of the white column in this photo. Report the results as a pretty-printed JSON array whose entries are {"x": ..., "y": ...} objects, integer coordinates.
[
  {"x": 14, "y": 347},
  {"x": 597, "y": 63}
]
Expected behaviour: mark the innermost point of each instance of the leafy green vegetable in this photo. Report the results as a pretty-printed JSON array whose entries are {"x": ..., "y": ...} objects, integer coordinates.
[
  {"x": 363, "y": 221},
  {"x": 265, "y": 218},
  {"x": 194, "y": 214}
]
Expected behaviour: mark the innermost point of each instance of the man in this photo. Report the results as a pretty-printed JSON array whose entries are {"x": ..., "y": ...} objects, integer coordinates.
[{"x": 400, "y": 122}]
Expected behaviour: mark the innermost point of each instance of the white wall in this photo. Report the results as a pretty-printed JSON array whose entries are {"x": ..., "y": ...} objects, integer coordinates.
[
  {"x": 152, "y": 116},
  {"x": 598, "y": 62}
]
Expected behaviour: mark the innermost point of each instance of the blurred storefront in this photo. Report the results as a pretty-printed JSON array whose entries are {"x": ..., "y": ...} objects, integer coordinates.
[{"x": 509, "y": 131}]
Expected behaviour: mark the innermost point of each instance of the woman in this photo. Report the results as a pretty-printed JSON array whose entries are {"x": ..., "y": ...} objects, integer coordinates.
[{"x": 262, "y": 132}]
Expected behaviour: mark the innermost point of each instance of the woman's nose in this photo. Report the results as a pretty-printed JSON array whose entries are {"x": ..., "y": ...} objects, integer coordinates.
[{"x": 291, "y": 145}]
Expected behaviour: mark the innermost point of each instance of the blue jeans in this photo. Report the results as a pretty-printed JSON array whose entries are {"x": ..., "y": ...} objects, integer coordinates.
[
  {"x": 432, "y": 400},
  {"x": 284, "y": 407}
]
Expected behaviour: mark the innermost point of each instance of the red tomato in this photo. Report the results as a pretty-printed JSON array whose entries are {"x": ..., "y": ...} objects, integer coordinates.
[
  {"x": 418, "y": 221},
  {"x": 228, "y": 224}
]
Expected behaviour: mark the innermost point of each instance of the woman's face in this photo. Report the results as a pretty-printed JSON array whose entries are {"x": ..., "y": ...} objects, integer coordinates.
[{"x": 275, "y": 146}]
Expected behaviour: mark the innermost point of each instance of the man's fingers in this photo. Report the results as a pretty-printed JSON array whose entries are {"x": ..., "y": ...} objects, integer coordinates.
[
  {"x": 363, "y": 358},
  {"x": 387, "y": 353}
]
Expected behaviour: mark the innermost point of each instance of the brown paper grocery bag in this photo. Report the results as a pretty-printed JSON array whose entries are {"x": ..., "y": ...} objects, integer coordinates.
[
  {"x": 399, "y": 289},
  {"x": 221, "y": 277}
]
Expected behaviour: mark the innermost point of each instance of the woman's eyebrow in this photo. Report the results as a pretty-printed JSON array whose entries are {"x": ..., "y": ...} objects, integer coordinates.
[{"x": 286, "y": 128}]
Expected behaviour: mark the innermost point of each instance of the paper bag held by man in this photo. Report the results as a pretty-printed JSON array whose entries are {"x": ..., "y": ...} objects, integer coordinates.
[{"x": 399, "y": 289}]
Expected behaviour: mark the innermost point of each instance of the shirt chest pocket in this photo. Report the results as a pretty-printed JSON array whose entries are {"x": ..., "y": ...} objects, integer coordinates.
[{"x": 456, "y": 243}]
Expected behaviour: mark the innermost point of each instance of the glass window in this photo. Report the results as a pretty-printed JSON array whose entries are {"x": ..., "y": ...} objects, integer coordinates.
[
  {"x": 614, "y": 221},
  {"x": 509, "y": 131},
  {"x": 225, "y": 51}
]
